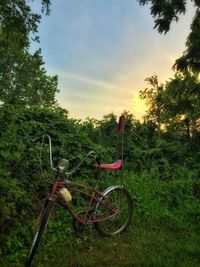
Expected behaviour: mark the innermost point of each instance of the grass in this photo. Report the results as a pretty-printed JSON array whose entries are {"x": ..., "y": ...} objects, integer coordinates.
[
  {"x": 165, "y": 232},
  {"x": 144, "y": 244}
]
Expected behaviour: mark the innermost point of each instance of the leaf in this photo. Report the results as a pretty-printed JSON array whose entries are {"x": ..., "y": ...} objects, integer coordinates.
[
  {"x": 16, "y": 155},
  {"x": 5, "y": 154}
]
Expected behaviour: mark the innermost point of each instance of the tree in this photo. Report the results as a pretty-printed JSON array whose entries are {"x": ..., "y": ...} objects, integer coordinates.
[
  {"x": 165, "y": 12},
  {"x": 17, "y": 21},
  {"x": 27, "y": 83},
  {"x": 191, "y": 57},
  {"x": 108, "y": 127},
  {"x": 23, "y": 78},
  {"x": 182, "y": 99},
  {"x": 154, "y": 100}
]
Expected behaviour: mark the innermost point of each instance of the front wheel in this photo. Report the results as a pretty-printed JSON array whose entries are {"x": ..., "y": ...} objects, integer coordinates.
[
  {"x": 122, "y": 204},
  {"x": 42, "y": 226}
]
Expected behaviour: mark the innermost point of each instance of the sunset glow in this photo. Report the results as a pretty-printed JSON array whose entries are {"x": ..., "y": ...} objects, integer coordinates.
[{"x": 102, "y": 51}]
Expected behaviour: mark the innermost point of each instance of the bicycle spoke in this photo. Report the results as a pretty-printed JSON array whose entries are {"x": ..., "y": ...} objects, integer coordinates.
[{"x": 121, "y": 203}]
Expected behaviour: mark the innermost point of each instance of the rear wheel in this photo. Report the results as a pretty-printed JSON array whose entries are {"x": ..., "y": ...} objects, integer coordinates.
[
  {"x": 42, "y": 226},
  {"x": 120, "y": 201}
]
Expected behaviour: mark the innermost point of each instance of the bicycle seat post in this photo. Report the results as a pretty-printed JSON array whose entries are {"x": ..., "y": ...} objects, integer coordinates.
[{"x": 120, "y": 130}]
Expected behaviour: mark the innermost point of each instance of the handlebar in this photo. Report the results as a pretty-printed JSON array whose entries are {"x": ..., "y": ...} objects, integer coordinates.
[
  {"x": 91, "y": 153},
  {"x": 50, "y": 150}
]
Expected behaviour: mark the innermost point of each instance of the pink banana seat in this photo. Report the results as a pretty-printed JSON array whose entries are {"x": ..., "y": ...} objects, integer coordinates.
[{"x": 114, "y": 166}]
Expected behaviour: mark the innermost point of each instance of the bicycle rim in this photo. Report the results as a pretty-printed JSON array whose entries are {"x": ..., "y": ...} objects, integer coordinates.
[
  {"x": 42, "y": 226},
  {"x": 121, "y": 201}
]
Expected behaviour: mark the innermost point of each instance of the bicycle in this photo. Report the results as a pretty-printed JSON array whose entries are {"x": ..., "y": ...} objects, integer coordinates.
[{"x": 110, "y": 211}]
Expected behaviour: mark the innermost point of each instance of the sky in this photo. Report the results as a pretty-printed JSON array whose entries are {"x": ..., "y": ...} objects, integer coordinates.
[{"x": 102, "y": 51}]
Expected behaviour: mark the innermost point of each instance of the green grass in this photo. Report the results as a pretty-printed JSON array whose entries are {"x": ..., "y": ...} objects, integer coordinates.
[
  {"x": 141, "y": 246},
  {"x": 144, "y": 244},
  {"x": 165, "y": 232}
]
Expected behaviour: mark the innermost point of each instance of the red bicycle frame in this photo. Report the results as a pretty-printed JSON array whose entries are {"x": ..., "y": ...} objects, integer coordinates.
[{"x": 93, "y": 197}]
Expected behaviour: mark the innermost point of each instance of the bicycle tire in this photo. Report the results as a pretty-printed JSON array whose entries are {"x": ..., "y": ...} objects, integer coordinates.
[
  {"x": 122, "y": 200},
  {"x": 42, "y": 226}
]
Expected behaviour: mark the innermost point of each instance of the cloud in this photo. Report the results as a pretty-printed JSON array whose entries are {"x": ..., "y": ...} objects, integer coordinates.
[
  {"x": 103, "y": 50},
  {"x": 88, "y": 80},
  {"x": 90, "y": 97}
]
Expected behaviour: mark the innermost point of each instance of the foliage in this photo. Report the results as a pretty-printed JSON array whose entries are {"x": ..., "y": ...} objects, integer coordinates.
[
  {"x": 154, "y": 100},
  {"x": 161, "y": 154},
  {"x": 174, "y": 106},
  {"x": 164, "y": 13},
  {"x": 22, "y": 185},
  {"x": 190, "y": 58},
  {"x": 182, "y": 96},
  {"x": 156, "y": 164},
  {"x": 17, "y": 20},
  {"x": 26, "y": 82},
  {"x": 23, "y": 79}
]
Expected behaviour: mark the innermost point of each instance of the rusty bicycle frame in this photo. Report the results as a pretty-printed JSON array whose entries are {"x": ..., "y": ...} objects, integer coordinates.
[{"x": 94, "y": 198}]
